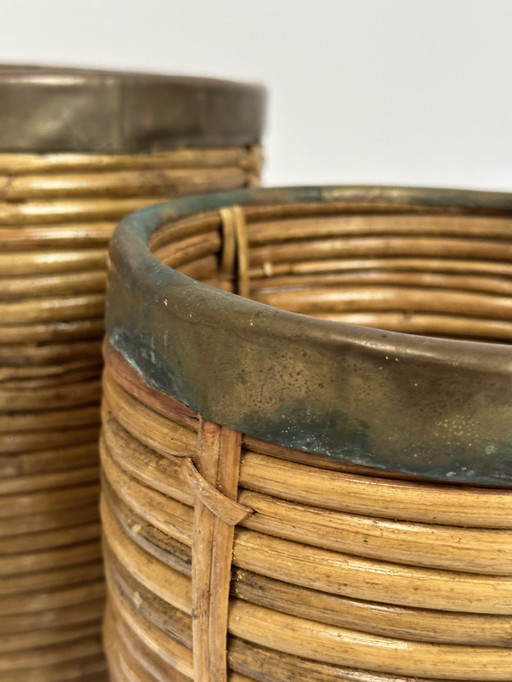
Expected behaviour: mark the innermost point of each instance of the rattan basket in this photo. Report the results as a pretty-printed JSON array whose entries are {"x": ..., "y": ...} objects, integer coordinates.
[
  {"x": 293, "y": 488},
  {"x": 79, "y": 150}
]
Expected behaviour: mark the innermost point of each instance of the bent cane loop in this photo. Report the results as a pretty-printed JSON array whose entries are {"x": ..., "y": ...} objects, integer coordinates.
[{"x": 216, "y": 512}]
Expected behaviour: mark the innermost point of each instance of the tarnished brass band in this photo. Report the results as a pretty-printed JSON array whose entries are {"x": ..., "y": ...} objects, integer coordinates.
[
  {"x": 366, "y": 396},
  {"x": 49, "y": 109}
]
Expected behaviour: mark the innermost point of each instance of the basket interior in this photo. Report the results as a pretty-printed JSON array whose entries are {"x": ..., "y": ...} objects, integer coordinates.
[{"x": 444, "y": 274}]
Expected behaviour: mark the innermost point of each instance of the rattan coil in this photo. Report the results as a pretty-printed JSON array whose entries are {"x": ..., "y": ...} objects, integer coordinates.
[
  {"x": 452, "y": 622},
  {"x": 232, "y": 557},
  {"x": 57, "y": 212}
]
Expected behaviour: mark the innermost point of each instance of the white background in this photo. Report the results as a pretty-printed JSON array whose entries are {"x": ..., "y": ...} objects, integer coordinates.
[{"x": 411, "y": 92}]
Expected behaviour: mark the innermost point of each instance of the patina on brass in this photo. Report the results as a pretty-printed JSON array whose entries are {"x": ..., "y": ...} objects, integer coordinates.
[
  {"x": 414, "y": 405},
  {"x": 51, "y": 109}
]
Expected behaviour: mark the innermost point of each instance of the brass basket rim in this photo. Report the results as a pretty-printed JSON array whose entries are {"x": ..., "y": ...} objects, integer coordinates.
[
  {"x": 323, "y": 373},
  {"x": 50, "y": 109}
]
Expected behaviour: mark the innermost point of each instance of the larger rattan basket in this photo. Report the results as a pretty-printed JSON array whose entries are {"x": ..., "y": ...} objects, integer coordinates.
[
  {"x": 78, "y": 150},
  {"x": 294, "y": 489}
]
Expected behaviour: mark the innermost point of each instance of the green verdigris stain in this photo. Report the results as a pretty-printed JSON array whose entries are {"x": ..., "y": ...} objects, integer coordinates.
[{"x": 341, "y": 391}]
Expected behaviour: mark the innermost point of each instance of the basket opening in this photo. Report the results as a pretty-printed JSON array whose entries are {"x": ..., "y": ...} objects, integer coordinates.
[{"x": 430, "y": 273}]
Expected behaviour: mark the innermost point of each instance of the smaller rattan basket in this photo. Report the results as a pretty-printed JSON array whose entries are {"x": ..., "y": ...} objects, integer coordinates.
[
  {"x": 293, "y": 488},
  {"x": 78, "y": 151}
]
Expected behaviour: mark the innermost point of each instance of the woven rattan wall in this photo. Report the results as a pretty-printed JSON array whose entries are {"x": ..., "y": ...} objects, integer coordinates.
[
  {"x": 57, "y": 212},
  {"x": 232, "y": 557}
]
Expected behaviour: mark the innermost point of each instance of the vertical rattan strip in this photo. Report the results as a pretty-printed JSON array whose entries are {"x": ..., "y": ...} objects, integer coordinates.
[
  {"x": 235, "y": 251},
  {"x": 218, "y": 463}
]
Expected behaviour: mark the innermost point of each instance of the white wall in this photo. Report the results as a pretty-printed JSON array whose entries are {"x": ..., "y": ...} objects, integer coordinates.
[{"x": 362, "y": 91}]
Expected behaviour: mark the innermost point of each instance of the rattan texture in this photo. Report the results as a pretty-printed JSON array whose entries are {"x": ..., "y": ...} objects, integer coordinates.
[
  {"x": 231, "y": 558},
  {"x": 57, "y": 212},
  {"x": 442, "y": 275}
]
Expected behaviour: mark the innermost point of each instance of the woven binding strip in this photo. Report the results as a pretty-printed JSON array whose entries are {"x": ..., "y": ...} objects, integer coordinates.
[
  {"x": 235, "y": 248},
  {"x": 218, "y": 459}
]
